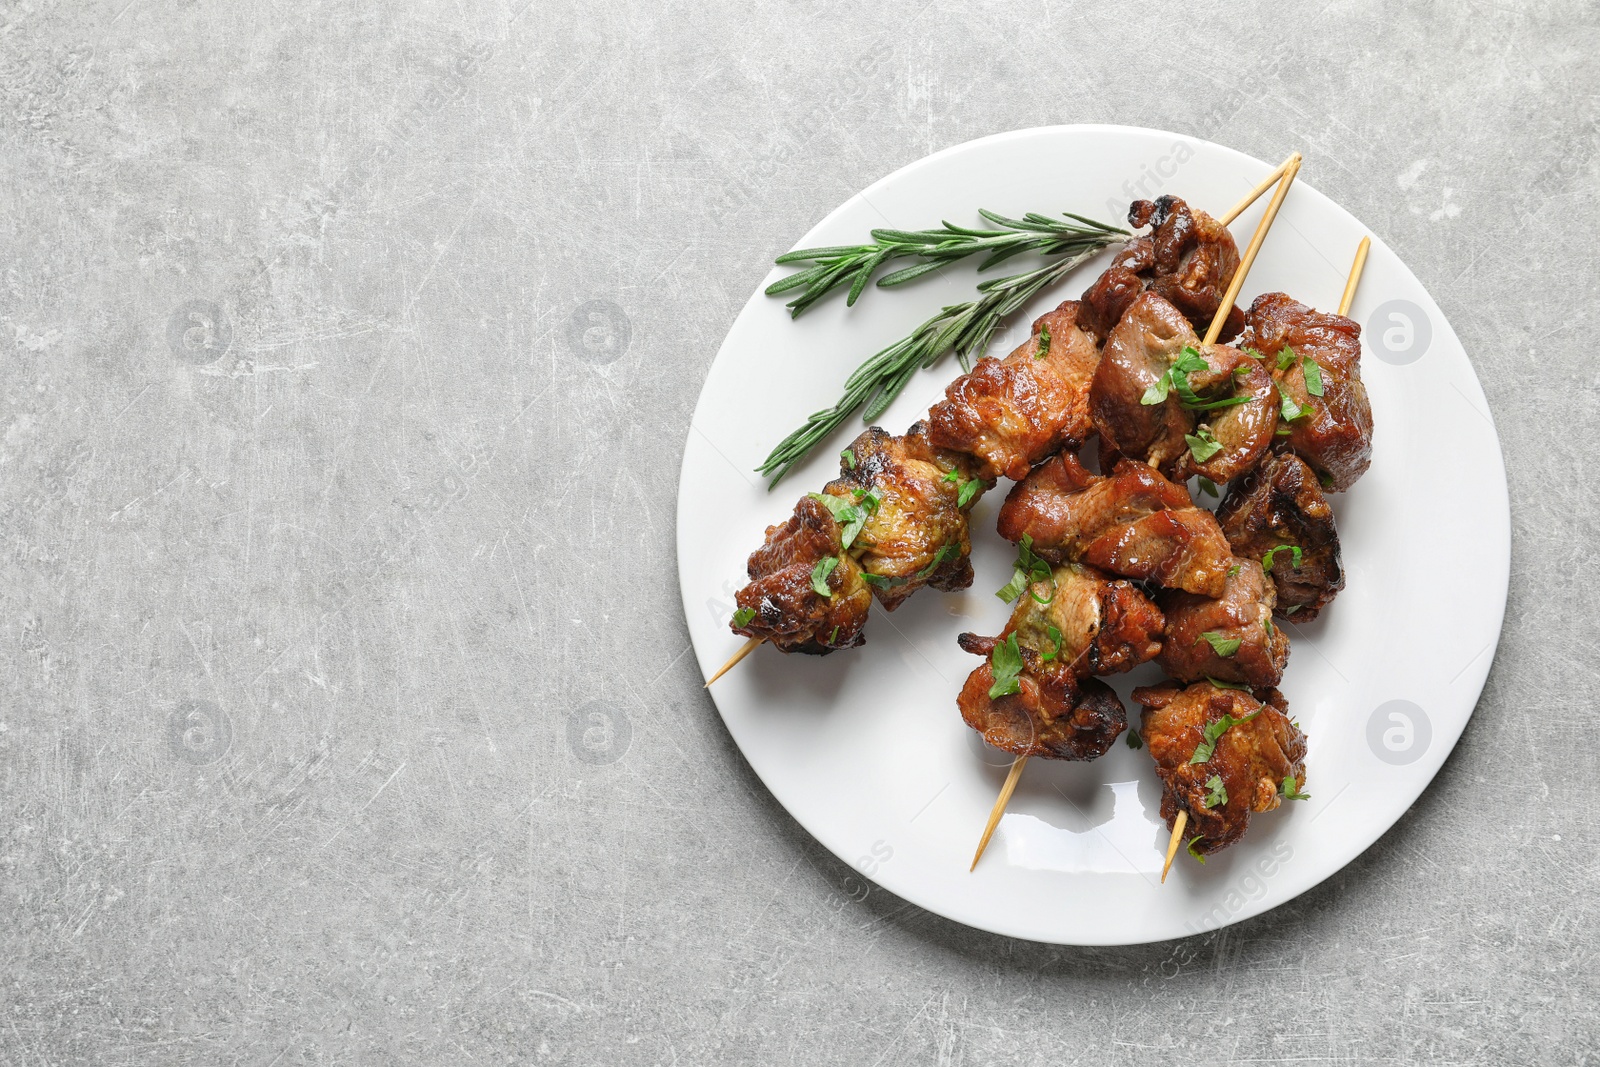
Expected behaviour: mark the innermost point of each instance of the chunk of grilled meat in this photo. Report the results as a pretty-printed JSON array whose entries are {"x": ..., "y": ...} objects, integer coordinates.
[
  {"x": 1242, "y": 432},
  {"x": 914, "y": 528},
  {"x": 1280, "y": 505},
  {"x": 1231, "y": 637},
  {"x": 1153, "y": 346},
  {"x": 1250, "y": 760},
  {"x": 783, "y": 604},
  {"x": 1078, "y": 623},
  {"x": 1102, "y": 625},
  {"x": 1054, "y": 714},
  {"x": 1134, "y": 524},
  {"x": 1139, "y": 351},
  {"x": 1188, "y": 258},
  {"x": 1336, "y": 437},
  {"x": 1013, "y": 412}
]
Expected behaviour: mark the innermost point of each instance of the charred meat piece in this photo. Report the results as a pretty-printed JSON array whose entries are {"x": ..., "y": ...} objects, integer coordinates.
[
  {"x": 1252, "y": 756},
  {"x": 909, "y": 504},
  {"x": 1134, "y": 524},
  {"x": 1183, "y": 407},
  {"x": 1065, "y": 627},
  {"x": 1139, "y": 354},
  {"x": 1188, "y": 258},
  {"x": 1012, "y": 412},
  {"x": 783, "y": 603},
  {"x": 1232, "y": 438},
  {"x": 1053, "y": 714},
  {"x": 1231, "y": 637},
  {"x": 1335, "y": 434},
  {"x": 1278, "y": 509},
  {"x": 1080, "y": 618}
]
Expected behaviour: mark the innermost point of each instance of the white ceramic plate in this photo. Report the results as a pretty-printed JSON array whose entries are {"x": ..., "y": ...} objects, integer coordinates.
[{"x": 866, "y": 748}]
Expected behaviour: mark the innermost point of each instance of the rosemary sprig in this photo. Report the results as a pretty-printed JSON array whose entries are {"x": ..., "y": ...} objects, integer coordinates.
[
  {"x": 855, "y": 264},
  {"x": 966, "y": 328}
]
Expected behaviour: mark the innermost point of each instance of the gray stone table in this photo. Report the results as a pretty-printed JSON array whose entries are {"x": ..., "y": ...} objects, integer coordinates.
[{"x": 348, "y": 355}]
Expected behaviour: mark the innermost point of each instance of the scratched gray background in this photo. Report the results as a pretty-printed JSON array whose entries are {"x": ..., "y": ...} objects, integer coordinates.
[{"x": 348, "y": 356}]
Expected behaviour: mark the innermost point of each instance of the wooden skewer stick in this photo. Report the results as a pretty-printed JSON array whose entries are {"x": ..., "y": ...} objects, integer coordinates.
[
  {"x": 1286, "y": 172},
  {"x": 1355, "y": 275},
  {"x": 1266, "y": 183},
  {"x": 1172, "y": 846},
  {"x": 733, "y": 660},
  {"x": 1000, "y": 803},
  {"x": 1249, "y": 256}
]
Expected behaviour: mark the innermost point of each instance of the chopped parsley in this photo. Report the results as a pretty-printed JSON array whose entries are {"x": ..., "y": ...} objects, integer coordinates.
[
  {"x": 1266, "y": 624},
  {"x": 1233, "y": 570},
  {"x": 743, "y": 616},
  {"x": 1285, "y": 358},
  {"x": 1208, "y": 487},
  {"x": 1029, "y": 569},
  {"x": 1005, "y": 662},
  {"x": 1202, "y": 446},
  {"x": 1214, "y": 732},
  {"x": 1254, "y": 353},
  {"x": 1293, "y": 411},
  {"x": 1266, "y": 560},
  {"x": 1222, "y": 646},
  {"x": 869, "y": 499},
  {"x": 1044, "y": 344},
  {"x": 1218, "y": 794},
  {"x": 1291, "y": 790},
  {"x": 1326, "y": 480},
  {"x": 945, "y": 552},
  {"x": 879, "y": 581},
  {"x": 1220, "y": 684},
  {"x": 1313, "y": 373},
  {"x": 969, "y": 489},
  {"x": 833, "y": 636},
  {"x": 819, "y": 575},
  {"x": 1133, "y": 739},
  {"x": 849, "y": 517},
  {"x": 1176, "y": 379},
  {"x": 1054, "y": 634},
  {"x": 1190, "y": 848},
  {"x": 848, "y": 458}
]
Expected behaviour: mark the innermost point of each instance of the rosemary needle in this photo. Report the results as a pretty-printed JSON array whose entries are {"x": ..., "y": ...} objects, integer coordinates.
[
  {"x": 966, "y": 328},
  {"x": 855, "y": 264}
]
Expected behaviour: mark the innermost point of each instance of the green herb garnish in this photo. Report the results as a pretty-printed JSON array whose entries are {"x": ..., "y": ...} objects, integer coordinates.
[
  {"x": 1054, "y": 633},
  {"x": 1266, "y": 560},
  {"x": 743, "y": 616},
  {"x": 1218, "y": 794},
  {"x": 1285, "y": 358},
  {"x": 819, "y": 575},
  {"x": 969, "y": 489},
  {"x": 1291, "y": 410},
  {"x": 1029, "y": 569},
  {"x": 1133, "y": 740},
  {"x": 1222, "y": 646},
  {"x": 1208, "y": 487},
  {"x": 939, "y": 557},
  {"x": 1190, "y": 848},
  {"x": 1005, "y": 662},
  {"x": 838, "y": 265},
  {"x": 833, "y": 636},
  {"x": 1313, "y": 373},
  {"x": 869, "y": 499},
  {"x": 1233, "y": 570},
  {"x": 1220, "y": 684},
  {"x": 1291, "y": 791},
  {"x": 1202, "y": 446},
  {"x": 1044, "y": 343},
  {"x": 849, "y": 517},
  {"x": 848, "y": 458},
  {"x": 1214, "y": 731}
]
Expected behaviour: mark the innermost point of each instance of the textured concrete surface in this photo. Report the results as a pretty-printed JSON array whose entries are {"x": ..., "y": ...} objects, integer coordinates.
[{"x": 348, "y": 353}]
